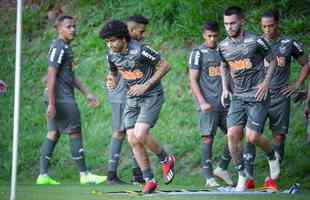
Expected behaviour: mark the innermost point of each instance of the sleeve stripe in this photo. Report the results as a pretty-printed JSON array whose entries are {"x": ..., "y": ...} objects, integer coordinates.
[
  {"x": 52, "y": 57},
  {"x": 60, "y": 56},
  {"x": 197, "y": 56}
]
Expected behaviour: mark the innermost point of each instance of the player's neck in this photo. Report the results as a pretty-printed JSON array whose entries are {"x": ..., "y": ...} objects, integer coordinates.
[
  {"x": 67, "y": 41},
  {"x": 238, "y": 37}
]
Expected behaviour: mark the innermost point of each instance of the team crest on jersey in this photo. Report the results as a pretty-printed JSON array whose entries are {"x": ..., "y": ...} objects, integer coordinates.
[
  {"x": 204, "y": 50},
  {"x": 282, "y": 49}
]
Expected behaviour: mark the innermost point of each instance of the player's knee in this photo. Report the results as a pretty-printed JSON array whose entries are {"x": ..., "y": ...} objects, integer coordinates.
[
  {"x": 53, "y": 135},
  {"x": 132, "y": 140},
  {"x": 208, "y": 139},
  {"x": 253, "y": 138}
]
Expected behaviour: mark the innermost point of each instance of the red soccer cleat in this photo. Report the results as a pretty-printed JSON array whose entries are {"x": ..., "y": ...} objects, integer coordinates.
[
  {"x": 270, "y": 184},
  {"x": 168, "y": 169},
  {"x": 149, "y": 187},
  {"x": 250, "y": 184}
]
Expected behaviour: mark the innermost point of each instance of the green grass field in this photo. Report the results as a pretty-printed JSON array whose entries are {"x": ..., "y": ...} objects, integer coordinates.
[{"x": 77, "y": 192}]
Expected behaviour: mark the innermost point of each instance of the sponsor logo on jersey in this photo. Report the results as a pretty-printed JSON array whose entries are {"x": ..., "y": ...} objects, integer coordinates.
[
  {"x": 214, "y": 71},
  {"x": 240, "y": 64},
  {"x": 131, "y": 75},
  {"x": 281, "y": 61}
]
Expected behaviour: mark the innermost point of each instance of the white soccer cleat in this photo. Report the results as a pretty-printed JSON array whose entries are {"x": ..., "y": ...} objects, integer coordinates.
[
  {"x": 241, "y": 185},
  {"x": 274, "y": 167},
  {"x": 211, "y": 182},
  {"x": 224, "y": 175}
]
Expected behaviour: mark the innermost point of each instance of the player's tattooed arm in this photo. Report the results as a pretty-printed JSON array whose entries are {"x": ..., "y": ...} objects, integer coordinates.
[
  {"x": 92, "y": 100},
  {"x": 262, "y": 88},
  {"x": 51, "y": 82},
  {"x": 196, "y": 90},
  {"x": 225, "y": 74},
  {"x": 303, "y": 74},
  {"x": 162, "y": 69}
]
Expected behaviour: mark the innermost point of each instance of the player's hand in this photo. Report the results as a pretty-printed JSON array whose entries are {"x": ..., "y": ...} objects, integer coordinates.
[
  {"x": 289, "y": 90},
  {"x": 205, "y": 107},
  {"x": 224, "y": 97},
  {"x": 137, "y": 90},
  {"x": 262, "y": 91},
  {"x": 92, "y": 100},
  {"x": 3, "y": 87},
  {"x": 111, "y": 82},
  {"x": 51, "y": 111}
]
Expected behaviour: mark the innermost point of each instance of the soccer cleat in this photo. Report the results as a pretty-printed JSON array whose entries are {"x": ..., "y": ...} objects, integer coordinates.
[
  {"x": 149, "y": 187},
  {"x": 89, "y": 178},
  {"x": 270, "y": 184},
  {"x": 115, "y": 181},
  {"x": 274, "y": 167},
  {"x": 168, "y": 169},
  {"x": 211, "y": 182},
  {"x": 46, "y": 180},
  {"x": 250, "y": 184},
  {"x": 224, "y": 175},
  {"x": 137, "y": 176},
  {"x": 241, "y": 187}
]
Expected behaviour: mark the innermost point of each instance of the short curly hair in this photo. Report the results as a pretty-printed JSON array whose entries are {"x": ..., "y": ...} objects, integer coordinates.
[{"x": 114, "y": 28}]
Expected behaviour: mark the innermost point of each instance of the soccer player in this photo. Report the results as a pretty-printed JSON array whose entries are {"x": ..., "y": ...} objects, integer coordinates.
[
  {"x": 117, "y": 97},
  {"x": 206, "y": 87},
  {"x": 243, "y": 60},
  {"x": 284, "y": 48},
  {"x": 63, "y": 115},
  {"x": 142, "y": 68}
]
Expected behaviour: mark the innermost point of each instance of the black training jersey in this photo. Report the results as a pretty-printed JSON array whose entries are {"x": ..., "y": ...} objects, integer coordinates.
[
  {"x": 208, "y": 61},
  {"x": 284, "y": 49},
  {"x": 137, "y": 65},
  {"x": 60, "y": 56},
  {"x": 245, "y": 59}
]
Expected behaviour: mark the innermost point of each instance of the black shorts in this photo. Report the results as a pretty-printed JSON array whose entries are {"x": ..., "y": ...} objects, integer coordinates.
[{"x": 67, "y": 119}]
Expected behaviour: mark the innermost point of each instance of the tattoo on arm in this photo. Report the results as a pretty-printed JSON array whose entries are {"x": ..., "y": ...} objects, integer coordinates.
[
  {"x": 271, "y": 68},
  {"x": 225, "y": 73},
  {"x": 162, "y": 69}
]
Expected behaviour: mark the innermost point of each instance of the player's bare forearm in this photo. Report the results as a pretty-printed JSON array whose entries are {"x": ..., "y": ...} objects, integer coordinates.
[
  {"x": 225, "y": 74},
  {"x": 51, "y": 81},
  {"x": 270, "y": 70},
  {"x": 303, "y": 61},
  {"x": 80, "y": 86},
  {"x": 162, "y": 68},
  {"x": 196, "y": 90}
]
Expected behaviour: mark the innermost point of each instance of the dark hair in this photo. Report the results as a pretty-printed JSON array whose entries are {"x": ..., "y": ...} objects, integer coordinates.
[
  {"x": 62, "y": 18},
  {"x": 114, "y": 28},
  {"x": 211, "y": 26},
  {"x": 139, "y": 19},
  {"x": 234, "y": 10},
  {"x": 272, "y": 14}
]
